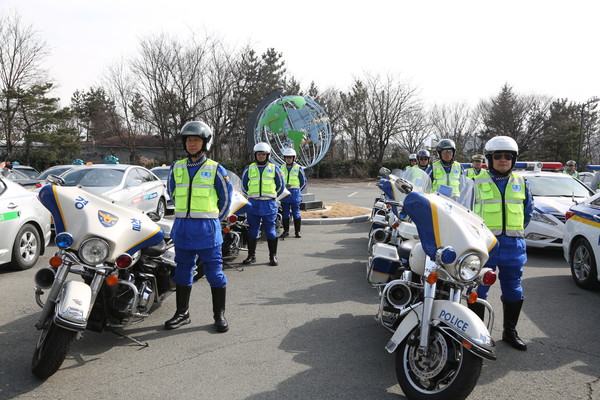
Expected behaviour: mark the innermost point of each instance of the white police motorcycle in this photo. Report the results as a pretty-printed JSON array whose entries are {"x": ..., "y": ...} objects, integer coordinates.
[{"x": 439, "y": 342}]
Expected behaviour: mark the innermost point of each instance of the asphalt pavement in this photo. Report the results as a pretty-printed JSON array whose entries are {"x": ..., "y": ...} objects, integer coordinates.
[{"x": 302, "y": 330}]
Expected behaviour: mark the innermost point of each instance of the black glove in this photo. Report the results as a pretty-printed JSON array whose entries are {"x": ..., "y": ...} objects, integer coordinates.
[{"x": 288, "y": 186}]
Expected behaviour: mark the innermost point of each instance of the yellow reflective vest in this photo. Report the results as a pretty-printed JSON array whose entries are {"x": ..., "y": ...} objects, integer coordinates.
[
  {"x": 502, "y": 214},
  {"x": 262, "y": 186},
  {"x": 440, "y": 177},
  {"x": 290, "y": 177},
  {"x": 196, "y": 198}
]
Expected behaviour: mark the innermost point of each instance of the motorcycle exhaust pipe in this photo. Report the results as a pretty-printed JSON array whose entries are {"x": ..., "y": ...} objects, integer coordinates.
[
  {"x": 380, "y": 236},
  {"x": 44, "y": 278},
  {"x": 397, "y": 294}
]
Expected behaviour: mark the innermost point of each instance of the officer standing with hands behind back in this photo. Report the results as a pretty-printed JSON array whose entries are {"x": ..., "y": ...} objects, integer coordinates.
[
  {"x": 262, "y": 182},
  {"x": 202, "y": 193},
  {"x": 295, "y": 182},
  {"x": 504, "y": 201}
]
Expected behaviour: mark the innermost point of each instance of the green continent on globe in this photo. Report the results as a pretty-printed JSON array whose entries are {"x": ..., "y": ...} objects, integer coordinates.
[
  {"x": 274, "y": 118},
  {"x": 296, "y": 137}
]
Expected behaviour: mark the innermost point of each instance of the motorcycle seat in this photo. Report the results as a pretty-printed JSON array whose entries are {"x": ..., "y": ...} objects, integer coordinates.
[
  {"x": 405, "y": 248},
  {"x": 156, "y": 250}
]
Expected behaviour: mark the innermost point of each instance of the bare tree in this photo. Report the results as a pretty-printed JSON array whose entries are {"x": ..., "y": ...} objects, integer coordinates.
[
  {"x": 389, "y": 103},
  {"x": 173, "y": 82},
  {"x": 21, "y": 56},
  {"x": 457, "y": 122},
  {"x": 415, "y": 133}
]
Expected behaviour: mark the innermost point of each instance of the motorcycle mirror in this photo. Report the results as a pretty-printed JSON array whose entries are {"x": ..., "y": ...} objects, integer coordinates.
[
  {"x": 154, "y": 216},
  {"x": 55, "y": 180},
  {"x": 384, "y": 171}
]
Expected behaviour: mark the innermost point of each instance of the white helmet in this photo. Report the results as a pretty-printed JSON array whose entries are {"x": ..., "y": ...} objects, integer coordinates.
[
  {"x": 262, "y": 146},
  {"x": 412, "y": 157},
  {"x": 289, "y": 152},
  {"x": 501, "y": 143}
]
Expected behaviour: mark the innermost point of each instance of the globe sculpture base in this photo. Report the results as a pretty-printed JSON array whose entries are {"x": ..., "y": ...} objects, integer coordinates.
[{"x": 309, "y": 202}]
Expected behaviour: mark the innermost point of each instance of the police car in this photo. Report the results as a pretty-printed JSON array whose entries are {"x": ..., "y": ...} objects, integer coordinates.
[
  {"x": 581, "y": 244},
  {"x": 131, "y": 185},
  {"x": 553, "y": 194},
  {"x": 25, "y": 226}
]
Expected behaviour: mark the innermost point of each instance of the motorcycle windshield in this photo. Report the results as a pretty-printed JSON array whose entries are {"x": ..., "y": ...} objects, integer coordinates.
[
  {"x": 442, "y": 222},
  {"x": 239, "y": 203},
  {"x": 84, "y": 215}
]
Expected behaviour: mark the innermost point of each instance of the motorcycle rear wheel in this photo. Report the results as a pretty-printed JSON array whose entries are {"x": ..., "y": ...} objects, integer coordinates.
[
  {"x": 449, "y": 372},
  {"x": 51, "y": 350}
]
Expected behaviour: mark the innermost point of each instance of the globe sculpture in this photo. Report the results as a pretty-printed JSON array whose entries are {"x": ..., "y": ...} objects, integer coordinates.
[{"x": 297, "y": 122}]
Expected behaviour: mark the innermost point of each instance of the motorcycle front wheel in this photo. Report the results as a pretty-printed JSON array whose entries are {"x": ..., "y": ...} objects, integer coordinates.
[
  {"x": 448, "y": 371},
  {"x": 51, "y": 350}
]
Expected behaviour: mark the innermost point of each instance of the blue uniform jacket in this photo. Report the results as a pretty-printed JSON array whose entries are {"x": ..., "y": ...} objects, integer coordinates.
[
  {"x": 295, "y": 194},
  {"x": 202, "y": 233},
  {"x": 511, "y": 250},
  {"x": 264, "y": 207}
]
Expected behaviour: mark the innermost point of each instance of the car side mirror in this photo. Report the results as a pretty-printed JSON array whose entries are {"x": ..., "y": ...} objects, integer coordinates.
[{"x": 55, "y": 180}]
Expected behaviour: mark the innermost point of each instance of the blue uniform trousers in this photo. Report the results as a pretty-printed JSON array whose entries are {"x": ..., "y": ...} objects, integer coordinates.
[
  {"x": 295, "y": 210},
  {"x": 268, "y": 223},
  {"x": 510, "y": 283},
  {"x": 211, "y": 259}
]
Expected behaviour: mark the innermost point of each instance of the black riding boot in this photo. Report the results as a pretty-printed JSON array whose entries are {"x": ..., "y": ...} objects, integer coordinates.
[
  {"x": 478, "y": 309},
  {"x": 218, "y": 299},
  {"x": 511, "y": 317},
  {"x": 251, "y": 252},
  {"x": 182, "y": 315},
  {"x": 286, "y": 228},
  {"x": 272, "y": 252},
  {"x": 297, "y": 224}
]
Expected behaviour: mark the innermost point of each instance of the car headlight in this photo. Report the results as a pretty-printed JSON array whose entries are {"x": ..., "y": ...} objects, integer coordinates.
[
  {"x": 469, "y": 266},
  {"x": 539, "y": 217},
  {"x": 94, "y": 251}
]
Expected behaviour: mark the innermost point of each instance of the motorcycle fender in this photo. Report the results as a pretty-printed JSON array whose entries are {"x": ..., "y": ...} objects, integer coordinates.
[
  {"x": 457, "y": 317},
  {"x": 74, "y": 305}
]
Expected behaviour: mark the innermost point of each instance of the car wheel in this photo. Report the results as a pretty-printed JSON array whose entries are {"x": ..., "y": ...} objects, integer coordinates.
[
  {"x": 161, "y": 208},
  {"x": 583, "y": 265},
  {"x": 26, "y": 248}
]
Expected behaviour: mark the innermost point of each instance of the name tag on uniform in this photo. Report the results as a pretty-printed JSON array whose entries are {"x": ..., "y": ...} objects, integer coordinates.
[
  {"x": 516, "y": 188},
  {"x": 205, "y": 174},
  {"x": 270, "y": 171}
]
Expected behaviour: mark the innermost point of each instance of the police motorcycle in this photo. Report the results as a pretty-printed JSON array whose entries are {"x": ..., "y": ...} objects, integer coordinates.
[
  {"x": 123, "y": 266},
  {"x": 439, "y": 343},
  {"x": 234, "y": 227},
  {"x": 390, "y": 224}
]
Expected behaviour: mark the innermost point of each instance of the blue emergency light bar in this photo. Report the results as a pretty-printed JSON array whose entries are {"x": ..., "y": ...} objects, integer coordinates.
[{"x": 593, "y": 167}]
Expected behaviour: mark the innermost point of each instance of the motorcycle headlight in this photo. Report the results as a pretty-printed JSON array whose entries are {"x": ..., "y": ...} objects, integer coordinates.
[
  {"x": 94, "y": 251},
  {"x": 469, "y": 266}
]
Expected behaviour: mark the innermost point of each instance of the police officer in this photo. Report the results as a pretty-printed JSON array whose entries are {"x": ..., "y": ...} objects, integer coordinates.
[
  {"x": 596, "y": 182},
  {"x": 412, "y": 160},
  {"x": 504, "y": 201},
  {"x": 262, "y": 182},
  {"x": 202, "y": 193},
  {"x": 571, "y": 164},
  {"x": 423, "y": 157},
  {"x": 295, "y": 181},
  {"x": 446, "y": 171},
  {"x": 477, "y": 161}
]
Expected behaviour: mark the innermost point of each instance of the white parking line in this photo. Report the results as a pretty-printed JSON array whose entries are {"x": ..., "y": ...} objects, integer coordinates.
[{"x": 352, "y": 194}]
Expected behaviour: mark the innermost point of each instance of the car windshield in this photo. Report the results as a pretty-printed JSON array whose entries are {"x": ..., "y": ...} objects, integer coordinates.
[
  {"x": 30, "y": 172},
  {"x": 556, "y": 186},
  {"x": 53, "y": 171},
  {"x": 94, "y": 177},
  {"x": 162, "y": 173}
]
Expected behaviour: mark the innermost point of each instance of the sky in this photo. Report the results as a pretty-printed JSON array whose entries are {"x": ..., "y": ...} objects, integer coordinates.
[{"x": 451, "y": 51}]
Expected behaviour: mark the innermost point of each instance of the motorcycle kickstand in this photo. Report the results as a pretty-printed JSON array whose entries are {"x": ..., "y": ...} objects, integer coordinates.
[{"x": 124, "y": 336}]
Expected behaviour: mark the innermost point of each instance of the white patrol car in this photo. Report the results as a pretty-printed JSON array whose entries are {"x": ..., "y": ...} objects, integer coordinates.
[
  {"x": 581, "y": 244},
  {"x": 553, "y": 194}
]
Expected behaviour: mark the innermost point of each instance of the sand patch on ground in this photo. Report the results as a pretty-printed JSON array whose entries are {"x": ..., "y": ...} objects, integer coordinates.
[{"x": 335, "y": 210}]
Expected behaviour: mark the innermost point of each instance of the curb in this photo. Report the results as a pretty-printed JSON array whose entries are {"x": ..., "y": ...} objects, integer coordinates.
[{"x": 335, "y": 221}]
